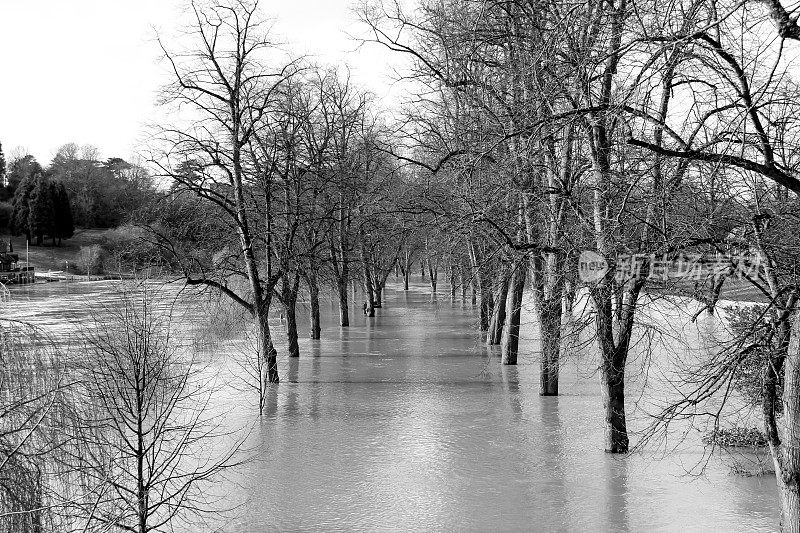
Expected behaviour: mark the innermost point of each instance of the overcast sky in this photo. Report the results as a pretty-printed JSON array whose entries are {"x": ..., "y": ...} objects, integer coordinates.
[{"x": 87, "y": 71}]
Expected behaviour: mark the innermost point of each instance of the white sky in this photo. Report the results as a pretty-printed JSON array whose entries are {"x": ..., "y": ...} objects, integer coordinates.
[{"x": 87, "y": 71}]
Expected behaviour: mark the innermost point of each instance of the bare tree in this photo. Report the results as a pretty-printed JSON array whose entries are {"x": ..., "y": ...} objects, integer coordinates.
[
  {"x": 147, "y": 431},
  {"x": 228, "y": 83}
]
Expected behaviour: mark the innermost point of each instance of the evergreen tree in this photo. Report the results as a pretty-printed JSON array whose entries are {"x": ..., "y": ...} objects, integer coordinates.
[
  {"x": 2, "y": 167},
  {"x": 63, "y": 224},
  {"x": 5, "y": 191},
  {"x": 40, "y": 210},
  {"x": 21, "y": 208}
]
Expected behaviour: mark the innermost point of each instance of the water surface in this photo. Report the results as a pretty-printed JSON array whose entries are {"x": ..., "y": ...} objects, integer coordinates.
[{"x": 407, "y": 422}]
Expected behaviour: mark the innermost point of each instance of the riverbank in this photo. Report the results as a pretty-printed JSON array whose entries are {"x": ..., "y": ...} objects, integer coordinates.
[{"x": 56, "y": 258}]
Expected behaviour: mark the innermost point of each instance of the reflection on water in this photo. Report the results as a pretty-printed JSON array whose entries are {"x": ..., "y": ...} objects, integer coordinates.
[{"x": 407, "y": 421}]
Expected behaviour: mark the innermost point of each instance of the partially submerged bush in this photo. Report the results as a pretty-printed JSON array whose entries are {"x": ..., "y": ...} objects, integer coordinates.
[{"x": 736, "y": 437}]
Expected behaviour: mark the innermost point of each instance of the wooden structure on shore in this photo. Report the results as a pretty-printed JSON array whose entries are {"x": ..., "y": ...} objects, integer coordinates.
[{"x": 11, "y": 271}]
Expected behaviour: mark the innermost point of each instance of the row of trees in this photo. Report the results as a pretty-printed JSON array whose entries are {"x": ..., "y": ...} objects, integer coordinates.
[
  {"x": 534, "y": 130},
  {"x": 624, "y": 127},
  {"x": 281, "y": 185}
]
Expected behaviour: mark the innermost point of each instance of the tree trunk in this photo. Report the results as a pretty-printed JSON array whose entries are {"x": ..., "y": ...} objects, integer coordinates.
[
  {"x": 405, "y": 279},
  {"x": 550, "y": 328},
  {"x": 369, "y": 289},
  {"x": 785, "y": 445},
  {"x": 613, "y": 383},
  {"x": 380, "y": 285},
  {"x": 291, "y": 328},
  {"x": 313, "y": 291},
  {"x": 266, "y": 350},
  {"x": 434, "y": 276},
  {"x": 495, "y": 334},
  {"x": 615, "y": 308},
  {"x": 463, "y": 278},
  {"x": 289, "y": 298},
  {"x": 510, "y": 339},
  {"x": 487, "y": 307},
  {"x": 790, "y": 506},
  {"x": 344, "y": 312},
  {"x": 480, "y": 275},
  {"x": 569, "y": 296}
]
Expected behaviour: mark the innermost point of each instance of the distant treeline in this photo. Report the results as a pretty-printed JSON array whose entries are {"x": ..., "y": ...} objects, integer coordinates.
[{"x": 76, "y": 189}]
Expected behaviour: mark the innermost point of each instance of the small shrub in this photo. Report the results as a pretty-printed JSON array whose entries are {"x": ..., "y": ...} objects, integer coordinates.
[{"x": 90, "y": 259}]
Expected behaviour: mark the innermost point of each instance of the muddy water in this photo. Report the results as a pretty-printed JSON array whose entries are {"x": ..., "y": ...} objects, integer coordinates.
[{"x": 408, "y": 422}]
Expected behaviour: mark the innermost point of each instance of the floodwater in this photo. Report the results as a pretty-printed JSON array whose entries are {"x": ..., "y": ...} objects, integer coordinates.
[{"x": 407, "y": 422}]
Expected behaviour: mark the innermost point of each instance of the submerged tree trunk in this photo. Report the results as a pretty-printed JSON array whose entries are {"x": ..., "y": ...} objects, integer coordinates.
[
  {"x": 405, "y": 267},
  {"x": 495, "y": 334},
  {"x": 313, "y": 293},
  {"x": 266, "y": 350},
  {"x": 614, "y": 328},
  {"x": 613, "y": 385},
  {"x": 510, "y": 339},
  {"x": 453, "y": 282},
  {"x": 369, "y": 289},
  {"x": 550, "y": 324},
  {"x": 380, "y": 284},
  {"x": 378, "y": 294},
  {"x": 462, "y": 276},
  {"x": 291, "y": 328},
  {"x": 344, "y": 312},
  {"x": 433, "y": 271},
  {"x": 482, "y": 278},
  {"x": 289, "y": 299}
]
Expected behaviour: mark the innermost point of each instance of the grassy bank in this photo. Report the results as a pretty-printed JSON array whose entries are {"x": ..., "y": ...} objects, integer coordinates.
[{"x": 53, "y": 258}]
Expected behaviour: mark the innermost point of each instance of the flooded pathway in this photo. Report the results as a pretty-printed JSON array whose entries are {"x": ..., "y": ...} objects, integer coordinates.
[{"x": 407, "y": 422}]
